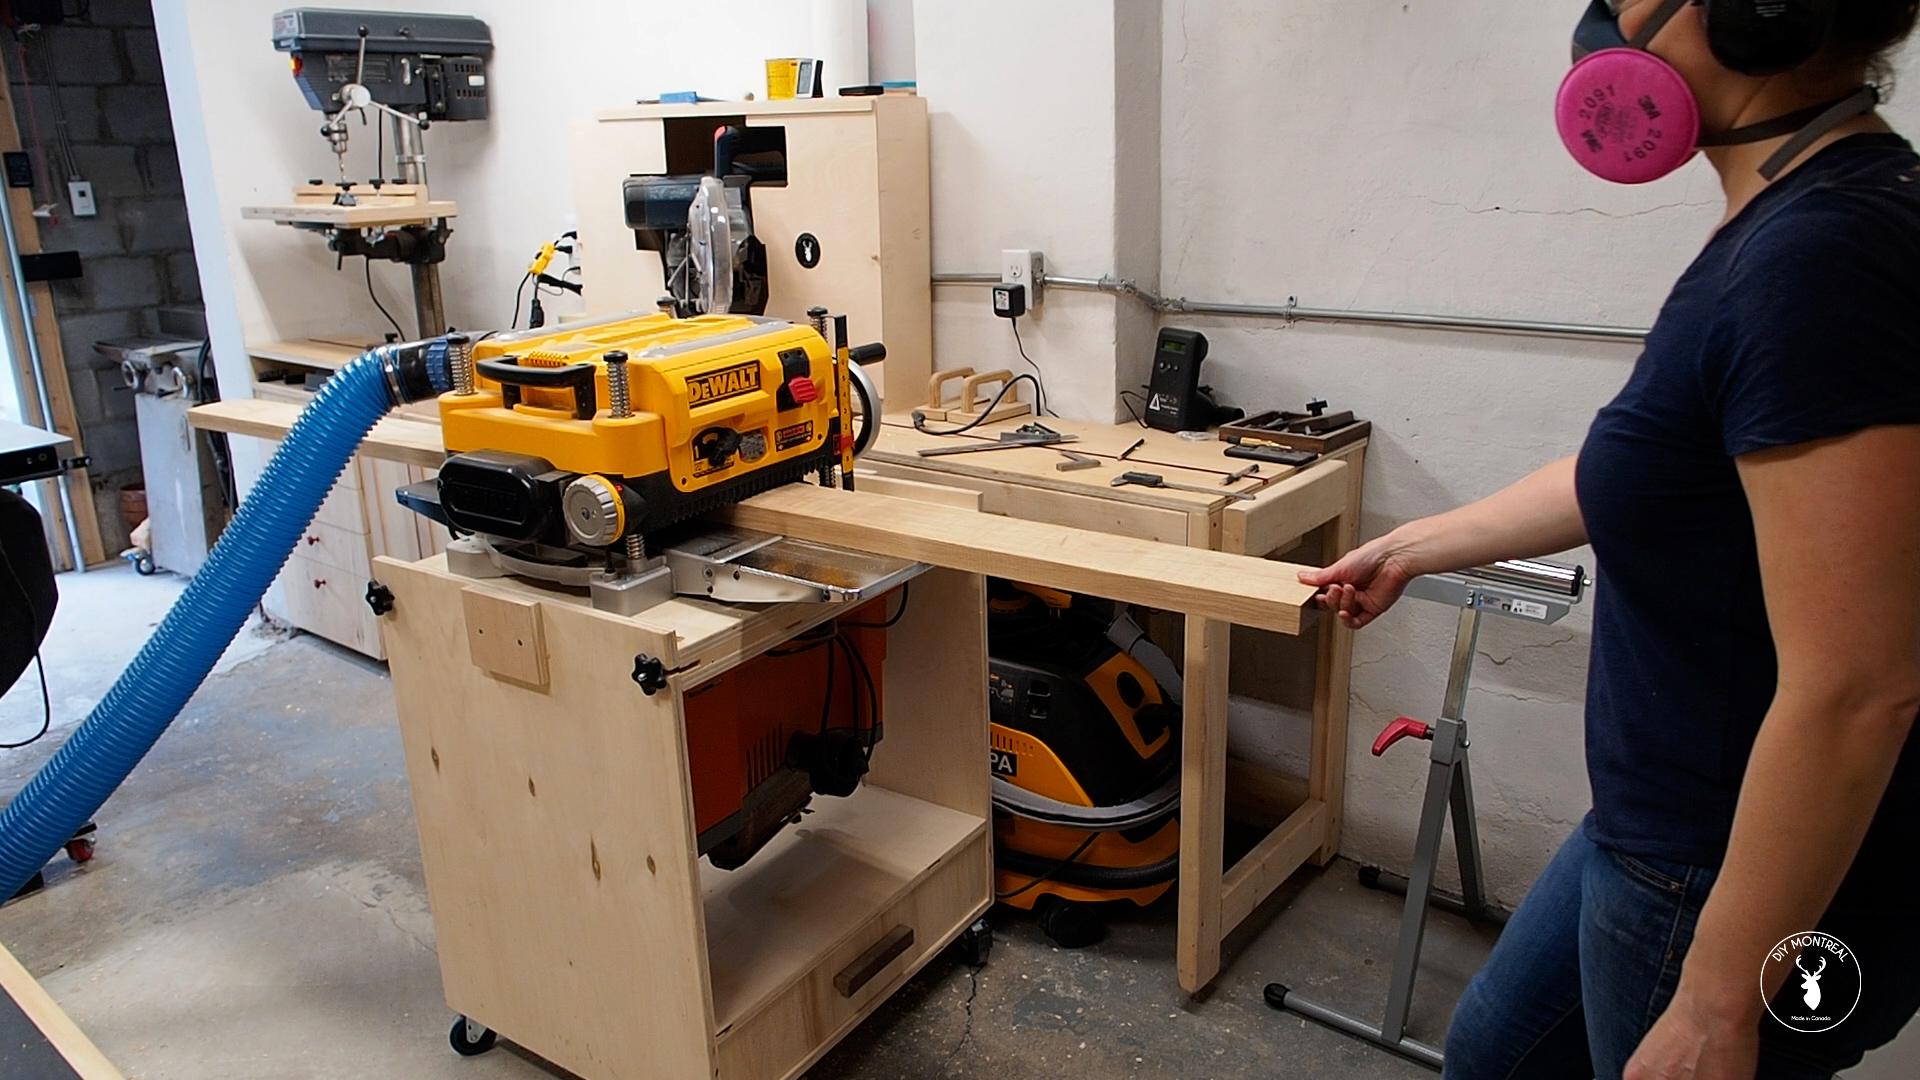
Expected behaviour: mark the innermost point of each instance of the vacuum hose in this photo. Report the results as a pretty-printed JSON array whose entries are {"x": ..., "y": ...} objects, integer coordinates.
[{"x": 74, "y": 783}]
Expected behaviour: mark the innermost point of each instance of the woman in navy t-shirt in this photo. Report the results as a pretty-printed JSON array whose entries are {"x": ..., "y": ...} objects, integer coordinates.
[{"x": 1753, "y": 498}]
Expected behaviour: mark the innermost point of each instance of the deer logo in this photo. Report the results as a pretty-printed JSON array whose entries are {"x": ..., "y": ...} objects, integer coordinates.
[{"x": 1810, "y": 982}]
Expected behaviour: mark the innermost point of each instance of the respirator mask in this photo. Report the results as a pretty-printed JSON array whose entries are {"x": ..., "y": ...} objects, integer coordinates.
[{"x": 1628, "y": 116}]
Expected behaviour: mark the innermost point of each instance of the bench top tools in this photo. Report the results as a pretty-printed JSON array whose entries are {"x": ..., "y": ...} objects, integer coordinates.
[{"x": 1155, "y": 480}]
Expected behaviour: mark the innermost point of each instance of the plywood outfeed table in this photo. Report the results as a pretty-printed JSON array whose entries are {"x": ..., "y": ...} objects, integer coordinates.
[{"x": 1310, "y": 512}]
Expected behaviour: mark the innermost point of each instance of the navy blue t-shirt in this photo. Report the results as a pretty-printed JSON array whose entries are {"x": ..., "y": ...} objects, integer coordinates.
[{"x": 1799, "y": 321}]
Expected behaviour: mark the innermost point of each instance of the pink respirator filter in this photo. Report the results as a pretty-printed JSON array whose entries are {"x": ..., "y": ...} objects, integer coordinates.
[{"x": 1627, "y": 116}]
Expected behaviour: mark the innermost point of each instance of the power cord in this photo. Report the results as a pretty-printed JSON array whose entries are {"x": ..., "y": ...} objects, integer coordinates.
[
  {"x": 368, "y": 266},
  {"x": 518, "y": 294},
  {"x": 1040, "y": 387},
  {"x": 1126, "y": 398},
  {"x": 40, "y": 667},
  {"x": 1052, "y": 870}
]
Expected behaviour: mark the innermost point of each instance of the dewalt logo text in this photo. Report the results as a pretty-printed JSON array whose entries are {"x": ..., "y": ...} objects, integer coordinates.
[{"x": 723, "y": 384}]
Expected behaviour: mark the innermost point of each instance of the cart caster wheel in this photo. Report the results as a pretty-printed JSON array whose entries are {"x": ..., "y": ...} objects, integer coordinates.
[
  {"x": 143, "y": 564},
  {"x": 1067, "y": 924},
  {"x": 975, "y": 943},
  {"x": 80, "y": 850},
  {"x": 470, "y": 1039}
]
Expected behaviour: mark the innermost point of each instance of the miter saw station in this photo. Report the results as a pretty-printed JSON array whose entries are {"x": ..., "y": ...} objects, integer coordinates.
[
  {"x": 579, "y": 452},
  {"x": 409, "y": 71}
]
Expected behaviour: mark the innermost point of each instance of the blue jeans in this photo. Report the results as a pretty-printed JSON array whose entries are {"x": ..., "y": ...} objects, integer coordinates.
[{"x": 1592, "y": 957}]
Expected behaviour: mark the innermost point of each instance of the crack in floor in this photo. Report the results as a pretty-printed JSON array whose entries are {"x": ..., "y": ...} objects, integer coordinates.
[{"x": 966, "y": 1030}]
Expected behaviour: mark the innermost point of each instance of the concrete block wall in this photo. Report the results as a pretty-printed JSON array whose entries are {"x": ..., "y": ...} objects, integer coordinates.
[{"x": 101, "y": 68}]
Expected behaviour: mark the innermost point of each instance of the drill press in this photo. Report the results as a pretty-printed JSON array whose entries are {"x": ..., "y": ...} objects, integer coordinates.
[{"x": 409, "y": 71}]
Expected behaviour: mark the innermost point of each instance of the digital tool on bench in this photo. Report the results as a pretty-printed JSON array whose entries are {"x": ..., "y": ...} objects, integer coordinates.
[{"x": 1174, "y": 401}]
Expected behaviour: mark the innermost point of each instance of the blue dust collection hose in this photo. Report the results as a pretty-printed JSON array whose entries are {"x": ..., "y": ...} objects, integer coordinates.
[{"x": 73, "y": 784}]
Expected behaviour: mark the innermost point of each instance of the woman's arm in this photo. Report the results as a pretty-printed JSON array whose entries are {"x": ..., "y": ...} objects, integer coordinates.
[
  {"x": 1536, "y": 516},
  {"x": 1838, "y": 527}
]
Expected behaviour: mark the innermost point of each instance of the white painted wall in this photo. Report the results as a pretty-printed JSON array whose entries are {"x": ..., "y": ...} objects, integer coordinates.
[
  {"x": 1025, "y": 155},
  {"x": 1393, "y": 155}
]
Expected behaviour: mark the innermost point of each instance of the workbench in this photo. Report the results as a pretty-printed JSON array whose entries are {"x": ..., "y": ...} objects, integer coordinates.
[{"x": 1310, "y": 514}]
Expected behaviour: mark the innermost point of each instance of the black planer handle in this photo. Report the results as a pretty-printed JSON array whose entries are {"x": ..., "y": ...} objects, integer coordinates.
[{"x": 511, "y": 376}]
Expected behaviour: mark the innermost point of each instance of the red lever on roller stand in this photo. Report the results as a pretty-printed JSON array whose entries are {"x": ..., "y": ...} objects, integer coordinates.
[{"x": 1404, "y": 728}]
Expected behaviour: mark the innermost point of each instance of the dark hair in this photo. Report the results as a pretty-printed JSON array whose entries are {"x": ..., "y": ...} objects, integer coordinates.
[{"x": 1868, "y": 32}]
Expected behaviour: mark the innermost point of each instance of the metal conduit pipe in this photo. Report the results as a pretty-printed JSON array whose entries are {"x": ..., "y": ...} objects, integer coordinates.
[{"x": 1292, "y": 312}]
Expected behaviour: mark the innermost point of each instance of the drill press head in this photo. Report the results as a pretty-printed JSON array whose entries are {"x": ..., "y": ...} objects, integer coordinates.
[{"x": 425, "y": 67}]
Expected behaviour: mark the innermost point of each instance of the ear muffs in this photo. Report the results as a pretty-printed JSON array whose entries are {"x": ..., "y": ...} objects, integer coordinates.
[{"x": 1767, "y": 37}]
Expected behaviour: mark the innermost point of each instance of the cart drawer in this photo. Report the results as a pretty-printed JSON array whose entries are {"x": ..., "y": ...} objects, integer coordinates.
[
  {"x": 331, "y": 602},
  {"x": 334, "y": 546},
  {"x": 852, "y": 980}
]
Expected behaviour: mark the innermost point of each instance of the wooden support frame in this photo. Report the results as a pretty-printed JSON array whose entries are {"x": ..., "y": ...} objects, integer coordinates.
[
  {"x": 1318, "y": 505},
  {"x": 45, "y": 328},
  {"x": 1320, "y": 502}
]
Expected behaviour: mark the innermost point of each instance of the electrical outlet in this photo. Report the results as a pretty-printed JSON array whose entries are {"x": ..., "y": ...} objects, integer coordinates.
[
  {"x": 80, "y": 197},
  {"x": 1029, "y": 268}
]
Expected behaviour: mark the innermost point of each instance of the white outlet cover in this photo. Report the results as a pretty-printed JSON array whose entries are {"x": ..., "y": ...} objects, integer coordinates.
[
  {"x": 1024, "y": 266},
  {"x": 80, "y": 197}
]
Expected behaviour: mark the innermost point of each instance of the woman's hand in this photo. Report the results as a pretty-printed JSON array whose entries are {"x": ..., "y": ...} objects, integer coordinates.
[
  {"x": 1365, "y": 583},
  {"x": 1693, "y": 1043}
]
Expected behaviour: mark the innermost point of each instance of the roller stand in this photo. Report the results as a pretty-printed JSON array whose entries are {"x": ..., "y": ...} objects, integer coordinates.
[{"x": 1544, "y": 597}]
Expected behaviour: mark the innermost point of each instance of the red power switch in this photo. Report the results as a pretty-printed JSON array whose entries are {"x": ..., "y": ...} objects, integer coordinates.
[
  {"x": 1404, "y": 728},
  {"x": 802, "y": 389}
]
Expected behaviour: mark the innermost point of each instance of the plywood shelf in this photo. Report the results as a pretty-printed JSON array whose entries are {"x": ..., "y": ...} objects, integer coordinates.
[{"x": 815, "y": 886}]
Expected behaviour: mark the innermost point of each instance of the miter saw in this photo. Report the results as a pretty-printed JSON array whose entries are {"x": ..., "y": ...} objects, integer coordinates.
[
  {"x": 702, "y": 224},
  {"x": 583, "y": 454}
]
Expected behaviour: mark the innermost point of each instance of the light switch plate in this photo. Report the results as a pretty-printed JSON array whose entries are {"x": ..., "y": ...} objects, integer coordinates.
[{"x": 80, "y": 197}]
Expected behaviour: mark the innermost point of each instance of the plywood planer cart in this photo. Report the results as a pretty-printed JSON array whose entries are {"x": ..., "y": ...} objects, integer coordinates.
[{"x": 572, "y": 911}]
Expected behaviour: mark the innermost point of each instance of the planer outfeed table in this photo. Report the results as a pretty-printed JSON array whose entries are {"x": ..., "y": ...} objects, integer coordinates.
[{"x": 1310, "y": 515}]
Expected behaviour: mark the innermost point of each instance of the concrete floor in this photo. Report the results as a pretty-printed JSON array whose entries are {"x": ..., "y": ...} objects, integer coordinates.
[{"x": 257, "y": 910}]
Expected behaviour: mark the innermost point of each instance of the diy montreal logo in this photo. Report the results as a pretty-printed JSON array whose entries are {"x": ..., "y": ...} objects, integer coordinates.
[{"x": 1820, "y": 985}]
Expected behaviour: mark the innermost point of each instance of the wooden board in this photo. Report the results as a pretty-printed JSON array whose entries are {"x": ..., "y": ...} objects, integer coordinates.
[
  {"x": 791, "y": 107},
  {"x": 1203, "y": 778},
  {"x": 1197, "y": 581},
  {"x": 67, "y": 1040},
  {"x": 1089, "y": 511},
  {"x": 331, "y": 354},
  {"x": 1231, "y": 588},
  {"x": 352, "y": 217},
  {"x": 1286, "y": 510},
  {"x": 41, "y": 323},
  {"x": 392, "y": 439}
]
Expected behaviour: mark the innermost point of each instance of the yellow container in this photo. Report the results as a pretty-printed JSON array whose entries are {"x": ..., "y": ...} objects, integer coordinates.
[{"x": 783, "y": 74}]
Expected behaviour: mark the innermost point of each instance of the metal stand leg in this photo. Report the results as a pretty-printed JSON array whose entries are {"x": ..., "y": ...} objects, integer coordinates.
[{"x": 1449, "y": 787}]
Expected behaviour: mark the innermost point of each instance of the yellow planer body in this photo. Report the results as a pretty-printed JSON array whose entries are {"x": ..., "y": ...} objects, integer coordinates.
[{"x": 594, "y": 435}]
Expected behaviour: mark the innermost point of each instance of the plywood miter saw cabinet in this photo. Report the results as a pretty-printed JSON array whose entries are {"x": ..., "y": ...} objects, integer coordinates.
[{"x": 841, "y": 203}]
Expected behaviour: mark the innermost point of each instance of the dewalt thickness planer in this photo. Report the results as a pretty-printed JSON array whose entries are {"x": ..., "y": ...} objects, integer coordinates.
[{"x": 584, "y": 455}]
